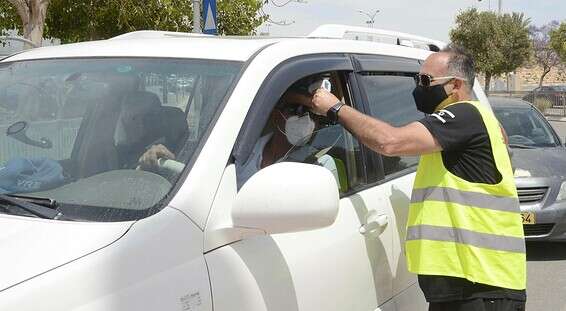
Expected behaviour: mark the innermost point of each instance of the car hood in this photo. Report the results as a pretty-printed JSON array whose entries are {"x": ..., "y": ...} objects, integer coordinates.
[
  {"x": 31, "y": 246},
  {"x": 542, "y": 162}
]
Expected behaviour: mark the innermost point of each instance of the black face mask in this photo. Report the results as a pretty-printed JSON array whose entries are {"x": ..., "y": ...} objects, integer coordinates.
[{"x": 428, "y": 98}]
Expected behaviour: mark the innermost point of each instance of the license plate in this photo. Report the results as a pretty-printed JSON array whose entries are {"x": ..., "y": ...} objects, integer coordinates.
[{"x": 528, "y": 218}]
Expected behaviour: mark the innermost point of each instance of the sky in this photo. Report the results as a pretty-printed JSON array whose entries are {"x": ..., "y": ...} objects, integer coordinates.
[{"x": 428, "y": 18}]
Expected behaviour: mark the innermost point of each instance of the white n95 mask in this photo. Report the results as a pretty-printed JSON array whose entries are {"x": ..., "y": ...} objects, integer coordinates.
[{"x": 299, "y": 130}]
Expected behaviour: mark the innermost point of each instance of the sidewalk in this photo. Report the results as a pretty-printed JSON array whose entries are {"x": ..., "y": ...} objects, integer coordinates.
[{"x": 556, "y": 118}]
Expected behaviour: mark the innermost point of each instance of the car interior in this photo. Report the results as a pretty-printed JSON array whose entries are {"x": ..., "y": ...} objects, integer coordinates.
[{"x": 330, "y": 139}]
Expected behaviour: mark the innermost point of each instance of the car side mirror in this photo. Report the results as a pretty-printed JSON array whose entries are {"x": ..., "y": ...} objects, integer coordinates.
[{"x": 287, "y": 197}]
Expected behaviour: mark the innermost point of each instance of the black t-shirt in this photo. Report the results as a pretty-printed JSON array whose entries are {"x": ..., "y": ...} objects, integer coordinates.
[{"x": 467, "y": 153}]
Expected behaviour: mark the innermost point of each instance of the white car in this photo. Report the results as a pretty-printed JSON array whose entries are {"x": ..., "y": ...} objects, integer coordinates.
[{"x": 86, "y": 228}]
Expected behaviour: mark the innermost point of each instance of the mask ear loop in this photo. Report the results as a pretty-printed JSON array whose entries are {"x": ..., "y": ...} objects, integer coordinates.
[
  {"x": 318, "y": 154},
  {"x": 324, "y": 151},
  {"x": 277, "y": 126},
  {"x": 282, "y": 131}
]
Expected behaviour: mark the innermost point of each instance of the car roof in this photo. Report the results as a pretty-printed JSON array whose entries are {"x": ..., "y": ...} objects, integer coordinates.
[
  {"x": 508, "y": 102},
  {"x": 198, "y": 46}
]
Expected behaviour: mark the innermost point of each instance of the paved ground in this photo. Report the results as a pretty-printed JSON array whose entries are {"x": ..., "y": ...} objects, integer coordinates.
[
  {"x": 546, "y": 276},
  {"x": 560, "y": 127},
  {"x": 546, "y": 268}
]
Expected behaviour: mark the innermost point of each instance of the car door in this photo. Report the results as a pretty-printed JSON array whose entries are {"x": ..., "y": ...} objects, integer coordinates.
[
  {"x": 341, "y": 267},
  {"x": 386, "y": 85}
]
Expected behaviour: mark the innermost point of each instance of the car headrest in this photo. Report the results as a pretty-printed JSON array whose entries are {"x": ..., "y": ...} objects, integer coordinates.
[
  {"x": 138, "y": 118},
  {"x": 174, "y": 127}
]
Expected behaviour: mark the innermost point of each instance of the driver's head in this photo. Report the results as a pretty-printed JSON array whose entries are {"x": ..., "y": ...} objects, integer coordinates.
[{"x": 293, "y": 119}]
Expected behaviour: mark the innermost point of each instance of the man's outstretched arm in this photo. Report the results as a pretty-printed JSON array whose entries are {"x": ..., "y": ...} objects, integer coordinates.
[{"x": 412, "y": 139}]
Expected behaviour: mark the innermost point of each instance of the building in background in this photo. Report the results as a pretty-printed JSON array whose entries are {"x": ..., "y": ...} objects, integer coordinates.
[{"x": 526, "y": 79}]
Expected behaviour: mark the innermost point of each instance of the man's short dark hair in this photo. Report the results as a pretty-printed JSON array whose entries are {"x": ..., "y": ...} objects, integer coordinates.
[{"x": 461, "y": 63}]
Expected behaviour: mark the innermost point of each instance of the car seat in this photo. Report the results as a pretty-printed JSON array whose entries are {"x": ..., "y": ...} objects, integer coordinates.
[
  {"x": 174, "y": 128},
  {"x": 137, "y": 127}
]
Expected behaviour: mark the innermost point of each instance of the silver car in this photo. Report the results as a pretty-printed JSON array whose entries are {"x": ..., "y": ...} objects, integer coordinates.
[{"x": 539, "y": 163}]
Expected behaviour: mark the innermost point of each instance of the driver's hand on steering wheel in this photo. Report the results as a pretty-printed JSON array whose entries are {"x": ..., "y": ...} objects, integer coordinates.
[{"x": 149, "y": 159}]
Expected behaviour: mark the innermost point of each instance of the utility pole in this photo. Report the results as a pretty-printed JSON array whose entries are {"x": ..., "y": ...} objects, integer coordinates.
[{"x": 196, "y": 17}]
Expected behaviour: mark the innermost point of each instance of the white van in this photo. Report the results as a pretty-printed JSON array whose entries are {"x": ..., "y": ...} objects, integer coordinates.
[{"x": 85, "y": 227}]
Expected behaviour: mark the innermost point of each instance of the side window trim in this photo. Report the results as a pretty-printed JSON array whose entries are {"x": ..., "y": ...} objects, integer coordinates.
[
  {"x": 273, "y": 88},
  {"x": 359, "y": 100},
  {"x": 386, "y": 179},
  {"x": 380, "y": 65}
]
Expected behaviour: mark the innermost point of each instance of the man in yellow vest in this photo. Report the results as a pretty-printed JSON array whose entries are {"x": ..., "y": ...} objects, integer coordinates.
[{"x": 464, "y": 232}]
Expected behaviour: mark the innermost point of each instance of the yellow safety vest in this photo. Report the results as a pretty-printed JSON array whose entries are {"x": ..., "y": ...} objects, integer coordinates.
[{"x": 463, "y": 229}]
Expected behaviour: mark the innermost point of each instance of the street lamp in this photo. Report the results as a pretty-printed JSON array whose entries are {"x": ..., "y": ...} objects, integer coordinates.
[
  {"x": 371, "y": 17},
  {"x": 499, "y": 3}
]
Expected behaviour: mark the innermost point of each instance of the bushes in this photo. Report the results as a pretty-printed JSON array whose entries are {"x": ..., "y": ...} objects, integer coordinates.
[{"x": 542, "y": 103}]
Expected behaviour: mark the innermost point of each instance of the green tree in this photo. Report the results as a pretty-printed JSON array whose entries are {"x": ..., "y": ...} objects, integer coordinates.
[
  {"x": 81, "y": 20},
  {"x": 499, "y": 43},
  {"x": 544, "y": 55},
  {"x": 239, "y": 17},
  {"x": 558, "y": 41},
  {"x": 27, "y": 16}
]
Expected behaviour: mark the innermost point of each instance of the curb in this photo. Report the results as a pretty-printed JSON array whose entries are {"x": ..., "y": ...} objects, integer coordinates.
[{"x": 556, "y": 119}]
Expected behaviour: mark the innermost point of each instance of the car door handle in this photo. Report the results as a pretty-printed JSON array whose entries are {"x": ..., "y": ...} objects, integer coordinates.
[{"x": 378, "y": 222}]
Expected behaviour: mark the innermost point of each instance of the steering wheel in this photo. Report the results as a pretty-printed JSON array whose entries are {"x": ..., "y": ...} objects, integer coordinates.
[
  {"x": 520, "y": 139},
  {"x": 170, "y": 166}
]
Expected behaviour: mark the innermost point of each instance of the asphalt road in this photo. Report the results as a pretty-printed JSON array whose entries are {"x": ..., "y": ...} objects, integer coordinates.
[
  {"x": 546, "y": 276},
  {"x": 546, "y": 268},
  {"x": 560, "y": 127}
]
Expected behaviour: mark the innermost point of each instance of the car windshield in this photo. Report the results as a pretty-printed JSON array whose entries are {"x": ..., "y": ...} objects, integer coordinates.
[
  {"x": 526, "y": 128},
  {"x": 94, "y": 134}
]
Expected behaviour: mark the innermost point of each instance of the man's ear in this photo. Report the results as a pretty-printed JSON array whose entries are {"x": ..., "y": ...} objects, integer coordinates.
[
  {"x": 458, "y": 88},
  {"x": 458, "y": 85}
]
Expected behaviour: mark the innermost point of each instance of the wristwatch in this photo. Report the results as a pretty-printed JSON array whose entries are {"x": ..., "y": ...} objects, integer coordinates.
[{"x": 332, "y": 113}]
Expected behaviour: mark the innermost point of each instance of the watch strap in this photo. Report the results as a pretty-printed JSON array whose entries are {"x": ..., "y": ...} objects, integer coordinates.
[{"x": 332, "y": 113}]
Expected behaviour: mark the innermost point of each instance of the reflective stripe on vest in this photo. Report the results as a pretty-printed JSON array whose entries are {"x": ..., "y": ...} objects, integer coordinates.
[
  {"x": 463, "y": 236},
  {"x": 481, "y": 200},
  {"x": 463, "y": 229}
]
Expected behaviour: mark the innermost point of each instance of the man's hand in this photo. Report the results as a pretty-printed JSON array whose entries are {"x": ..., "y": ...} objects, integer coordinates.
[
  {"x": 322, "y": 101},
  {"x": 297, "y": 98},
  {"x": 149, "y": 159}
]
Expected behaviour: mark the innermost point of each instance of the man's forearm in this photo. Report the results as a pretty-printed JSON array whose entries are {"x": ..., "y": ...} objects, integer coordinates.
[
  {"x": 375, "y": 134},
  {"x": 411, "y": 139}
]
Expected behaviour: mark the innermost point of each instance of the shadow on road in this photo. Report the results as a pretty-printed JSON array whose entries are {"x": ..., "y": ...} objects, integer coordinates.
[{"x": 546, "y": 251}]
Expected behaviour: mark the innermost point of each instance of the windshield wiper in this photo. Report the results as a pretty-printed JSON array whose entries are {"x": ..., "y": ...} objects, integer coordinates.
[
  {"x": 519, "y": 146},
  {"x": 40, "y": 207}
]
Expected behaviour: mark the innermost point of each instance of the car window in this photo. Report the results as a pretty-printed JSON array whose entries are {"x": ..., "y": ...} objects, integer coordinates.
[
  {"x": 324, "y": 144},
  {"x": 77, "y": 130},
  {"x": 390, "y": 99},
  {"x": 189, "y": 92},
  {"x": 525, "y": 126}
]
